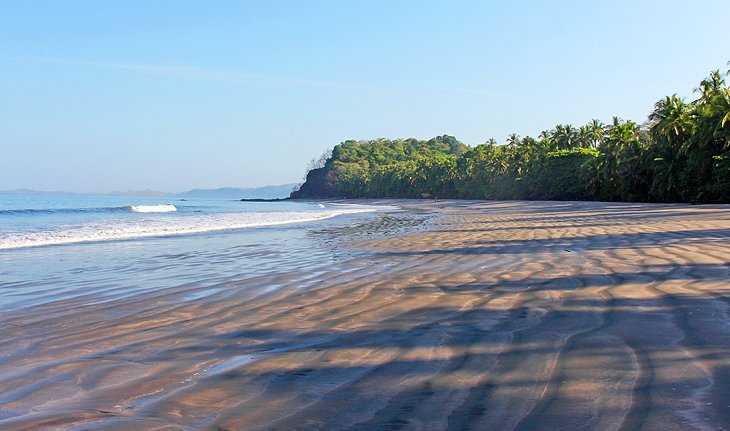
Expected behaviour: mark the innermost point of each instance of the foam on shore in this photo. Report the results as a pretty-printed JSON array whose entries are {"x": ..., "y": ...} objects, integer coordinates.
[
  {"x": 169, "y": 226},
  {"x": 162, "y": 208},
  {"x": 492, "y": 315}
]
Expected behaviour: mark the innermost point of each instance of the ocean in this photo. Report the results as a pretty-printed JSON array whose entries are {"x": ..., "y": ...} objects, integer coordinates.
[
  {"x": 99, "y": 248},
  {"x": 32, "y": 221}
]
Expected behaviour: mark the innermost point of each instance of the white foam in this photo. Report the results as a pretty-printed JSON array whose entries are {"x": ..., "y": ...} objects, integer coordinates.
[
  {"x": 164, "y": 226},
  {"x": 161, "y": 208},
  {"x": 358, "y": 206}
]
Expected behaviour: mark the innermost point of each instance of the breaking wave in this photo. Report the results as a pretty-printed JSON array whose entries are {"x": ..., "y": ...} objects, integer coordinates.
[
  {"x": 160, "y": 208},
  {"x": 164, "y": 225},
  {"x": 163, "y": 208}
]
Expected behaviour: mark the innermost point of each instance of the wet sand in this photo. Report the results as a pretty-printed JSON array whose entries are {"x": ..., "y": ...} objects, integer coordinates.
[{"x": 445, "y": 316}]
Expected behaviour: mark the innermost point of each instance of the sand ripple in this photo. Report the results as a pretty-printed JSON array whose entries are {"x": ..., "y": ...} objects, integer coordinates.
[{"x": 496, "y": 315}]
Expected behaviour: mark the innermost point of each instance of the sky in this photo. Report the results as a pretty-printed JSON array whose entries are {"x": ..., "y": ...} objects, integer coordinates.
[{"x": 131, "y": 95}]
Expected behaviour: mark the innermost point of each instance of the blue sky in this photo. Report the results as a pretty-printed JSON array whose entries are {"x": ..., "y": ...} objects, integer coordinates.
[{"x": 119, "y": 95}]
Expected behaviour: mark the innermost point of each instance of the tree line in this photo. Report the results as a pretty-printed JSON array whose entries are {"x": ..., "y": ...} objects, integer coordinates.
[{"x": 680, "y": 154}]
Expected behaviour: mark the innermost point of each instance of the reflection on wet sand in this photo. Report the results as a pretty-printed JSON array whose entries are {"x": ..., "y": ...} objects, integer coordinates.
[{"x": 449, "y": 315}]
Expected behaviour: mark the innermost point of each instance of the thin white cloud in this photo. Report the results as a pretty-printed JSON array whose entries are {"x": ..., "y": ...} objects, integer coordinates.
[
  {"x": 192, "y": 72},
  {"x": 477, "y": 92},
  {"x": 197, "y": 73}
]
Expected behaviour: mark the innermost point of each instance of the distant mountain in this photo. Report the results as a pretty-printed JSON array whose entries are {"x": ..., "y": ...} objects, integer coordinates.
[
  {"x": 152, "y": 193},
  {"x": 266, "y": 192},
  {"x": 33, "y": 192}
]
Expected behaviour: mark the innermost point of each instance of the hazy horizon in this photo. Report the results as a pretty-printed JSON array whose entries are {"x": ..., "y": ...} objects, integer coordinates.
[
  {"x": 169, "y": 192},
  {"x": 135, "y": 95}
]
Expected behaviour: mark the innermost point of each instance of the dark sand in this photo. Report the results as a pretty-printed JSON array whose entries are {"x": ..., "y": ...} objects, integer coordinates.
[{"x": 487, "y": 316}]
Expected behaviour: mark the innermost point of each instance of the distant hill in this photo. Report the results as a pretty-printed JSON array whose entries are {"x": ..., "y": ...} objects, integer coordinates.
[
  {"x": 266, "y": 192},
  {"x": 150, "y": 193},
  {"x": 29, "y": 192},
  {"x": 32, "y": 192},
  {"x": 351, "y": 165}
]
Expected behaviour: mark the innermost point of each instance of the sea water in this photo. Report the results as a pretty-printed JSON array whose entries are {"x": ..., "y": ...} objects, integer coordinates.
[
  {"x": 32, "y": 221},
  {"x": 99, "y": 248}
]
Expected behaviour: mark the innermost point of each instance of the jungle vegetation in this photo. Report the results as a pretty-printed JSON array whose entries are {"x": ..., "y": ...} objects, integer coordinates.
[{"x": 680, "y": 154}]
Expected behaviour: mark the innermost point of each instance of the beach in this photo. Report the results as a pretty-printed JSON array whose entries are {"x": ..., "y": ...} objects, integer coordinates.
[{"x": 443, "y": 315}]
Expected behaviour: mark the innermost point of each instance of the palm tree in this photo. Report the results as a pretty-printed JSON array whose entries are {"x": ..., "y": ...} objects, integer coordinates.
[
  {"x": 565, "y": 136},
  {"x": 584, "y": 136},
  {"x": 713, "y": 112},
  {"x": 619, "y": 159},
  {"x": 671, "y": 125},
  {"x": 598, "y": 131},
  {"x": 711, "y": 85},
  {"x": 672, "y": 122}
]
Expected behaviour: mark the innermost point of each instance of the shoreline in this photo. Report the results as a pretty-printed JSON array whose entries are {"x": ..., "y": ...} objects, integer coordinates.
[
  {"x": 443, "y": 315},
  {"x": 173, "y": 226}
]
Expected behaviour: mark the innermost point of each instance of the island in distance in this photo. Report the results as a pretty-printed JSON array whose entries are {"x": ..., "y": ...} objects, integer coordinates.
[{"x": 265, "y": 192}]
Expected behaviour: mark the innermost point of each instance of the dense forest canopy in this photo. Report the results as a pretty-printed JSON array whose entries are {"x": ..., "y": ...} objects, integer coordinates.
[{"x": 680, "y": 154}]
